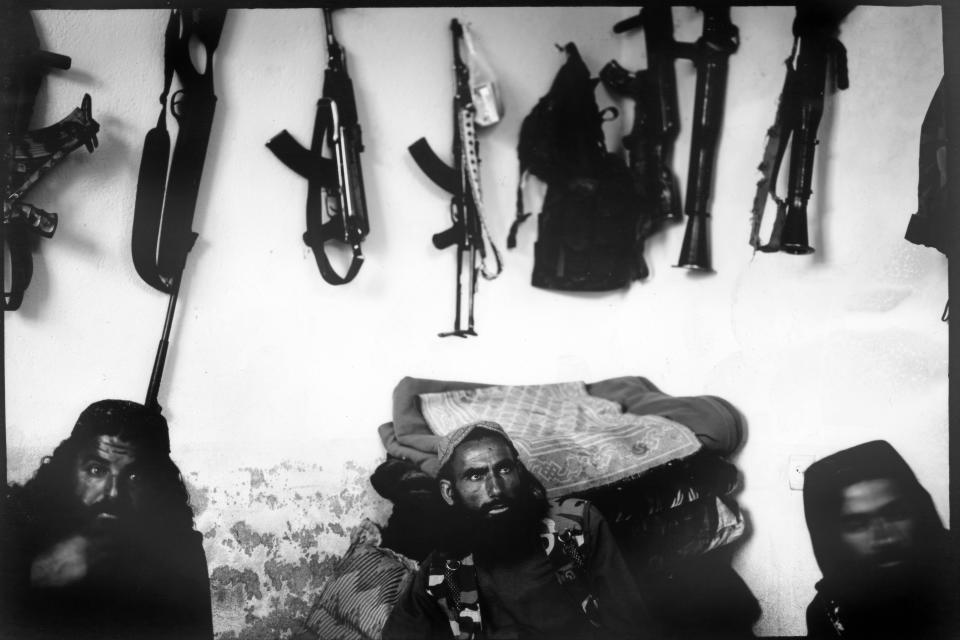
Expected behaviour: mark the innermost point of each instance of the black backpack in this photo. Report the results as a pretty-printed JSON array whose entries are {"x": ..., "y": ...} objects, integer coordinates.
[{"x": 589, "y": 234}]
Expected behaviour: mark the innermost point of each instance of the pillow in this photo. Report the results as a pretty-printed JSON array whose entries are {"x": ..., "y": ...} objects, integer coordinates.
[
  {"x": 363, "y": 589},
  {"x": 572, "y": 441}
]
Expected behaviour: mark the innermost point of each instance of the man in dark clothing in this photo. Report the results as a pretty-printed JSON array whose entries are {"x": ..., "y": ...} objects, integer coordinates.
[
  {"x": 100, "y": 542},
  {"x": 518, "y": 565},
  {"x": 880, "y": 546}
]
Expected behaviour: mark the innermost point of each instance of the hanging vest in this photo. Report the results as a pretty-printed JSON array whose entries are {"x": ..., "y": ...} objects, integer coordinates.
[
  {"x": 452, "y": 581},
  {"x": 591, "y": 227}
]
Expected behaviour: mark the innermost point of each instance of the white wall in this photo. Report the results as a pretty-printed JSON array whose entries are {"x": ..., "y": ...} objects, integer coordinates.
[{"x": 277, "y": 381}]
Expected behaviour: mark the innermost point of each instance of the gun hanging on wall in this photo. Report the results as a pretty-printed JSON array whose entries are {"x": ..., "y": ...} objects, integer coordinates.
[
  {"x": 336, "y": 205},
  {"x": 29, "y": 155},
  {"x": 649, "y": 144},
  {"x": 168, "y": 186},
  {"x": 815, "y": 45},
  {"x": 25, "y": 157},
  {"x": 468, "y": 231},
  {"x": 710, "y": 54}
]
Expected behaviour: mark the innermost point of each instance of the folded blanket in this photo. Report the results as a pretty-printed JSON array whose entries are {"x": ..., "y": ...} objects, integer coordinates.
[
  {"x": 570, "y": 440},
  {"x": 716, "y": 423}
]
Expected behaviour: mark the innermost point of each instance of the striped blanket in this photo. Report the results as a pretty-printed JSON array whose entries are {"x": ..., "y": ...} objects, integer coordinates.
[{"x": 571, "y": 440}]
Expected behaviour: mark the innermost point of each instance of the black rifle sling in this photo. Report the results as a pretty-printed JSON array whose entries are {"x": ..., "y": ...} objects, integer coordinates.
[
  {"x": 168, "y": 187},
  {"x": 322, "y": 178},
  {"x": 152, "y": 179},
  {"x": 321, "y": 174}
]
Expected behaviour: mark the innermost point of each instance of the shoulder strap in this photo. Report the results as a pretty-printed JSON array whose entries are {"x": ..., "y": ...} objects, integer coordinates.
[
  {"x": 152, "y": 177},
  {"x": 452, "y": 581},
  {"x": 167, "y": 186}
]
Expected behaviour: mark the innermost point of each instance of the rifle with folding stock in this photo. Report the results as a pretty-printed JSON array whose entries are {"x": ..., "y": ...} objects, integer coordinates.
[
  {"x": 468, "y": 231},
  {"x": 168, "y": 186},
  {"x": 336, "y": 204}
]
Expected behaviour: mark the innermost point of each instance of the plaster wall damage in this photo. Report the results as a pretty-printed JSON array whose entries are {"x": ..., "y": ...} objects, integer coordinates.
[{"x": 272, "y": 537}]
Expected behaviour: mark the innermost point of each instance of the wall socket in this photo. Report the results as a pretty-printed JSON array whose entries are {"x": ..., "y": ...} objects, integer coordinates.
[{"x": 797, "y": 466}]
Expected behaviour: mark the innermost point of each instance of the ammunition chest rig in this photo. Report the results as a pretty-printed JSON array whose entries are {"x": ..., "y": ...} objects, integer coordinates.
[{"x": 452, "y": 581}]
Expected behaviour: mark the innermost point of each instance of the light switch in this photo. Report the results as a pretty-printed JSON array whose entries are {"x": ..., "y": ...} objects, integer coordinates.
[{"x": 797, "y": 466}]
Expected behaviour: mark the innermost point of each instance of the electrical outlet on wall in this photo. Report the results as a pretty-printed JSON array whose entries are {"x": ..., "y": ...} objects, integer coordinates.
[{"x": 797, "y": 466}]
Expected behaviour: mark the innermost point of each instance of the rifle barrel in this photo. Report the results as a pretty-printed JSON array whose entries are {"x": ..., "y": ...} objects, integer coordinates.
[
  {"x": 160, "y": 360},
  {"x": 328, "y": 26}
]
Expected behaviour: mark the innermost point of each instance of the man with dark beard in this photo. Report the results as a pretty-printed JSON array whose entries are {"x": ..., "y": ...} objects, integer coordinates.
[
  {"x": 880, "y": 546},
  {"x": 100, "y": 542},
  {"x": 517, "y": 565}
]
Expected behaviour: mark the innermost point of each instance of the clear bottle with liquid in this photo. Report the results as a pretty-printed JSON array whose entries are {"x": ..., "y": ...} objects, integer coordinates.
[{"x": 484, "y": 89}]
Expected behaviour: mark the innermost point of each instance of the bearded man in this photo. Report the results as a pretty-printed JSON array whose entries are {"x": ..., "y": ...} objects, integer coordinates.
[
  {"x": 518, "y": 565},
  {"x": 881, "y": 547},
  {"x": 100, "y": 542}
]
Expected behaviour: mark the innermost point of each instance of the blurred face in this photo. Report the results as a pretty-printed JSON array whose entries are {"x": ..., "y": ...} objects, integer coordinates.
[
  {"x": 877, "y": 525},
  {"x": 486, "y": 478},
  {"x": 104, "y": 476}
]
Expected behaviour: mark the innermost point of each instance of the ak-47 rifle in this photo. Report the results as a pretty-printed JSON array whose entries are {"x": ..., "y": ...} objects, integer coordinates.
[
  {"x": 815, "y": 43},
  {"x": 649, "y": 144},
  {"x": 462, "y": 181},
  {"x": 164, "y": 208},
  {"x": 710, "y": 53},
  {"x": 335, "y": 187}
]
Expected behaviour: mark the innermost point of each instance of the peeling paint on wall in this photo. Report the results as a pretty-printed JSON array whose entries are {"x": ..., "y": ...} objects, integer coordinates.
[{"x": 272, "y": 538}]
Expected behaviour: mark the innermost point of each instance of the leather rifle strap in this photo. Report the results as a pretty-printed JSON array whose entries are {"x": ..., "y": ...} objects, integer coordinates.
[{"x": 152, "y": 179}]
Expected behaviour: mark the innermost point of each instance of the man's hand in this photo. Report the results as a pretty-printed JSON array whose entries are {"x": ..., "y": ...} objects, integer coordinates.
[
  {"x": 76, "y": 557},
  {"x": 61, "y": 565}
]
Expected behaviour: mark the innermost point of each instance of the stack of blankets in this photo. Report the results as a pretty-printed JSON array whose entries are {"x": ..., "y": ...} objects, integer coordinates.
[{"x": 654, "y": 464}]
